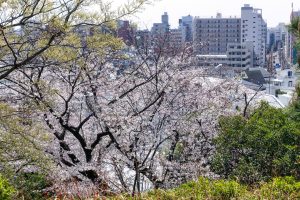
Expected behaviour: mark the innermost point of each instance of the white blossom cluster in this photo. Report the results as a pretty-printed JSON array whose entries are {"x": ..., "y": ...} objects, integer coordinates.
[{"x": 150, "y": 126}]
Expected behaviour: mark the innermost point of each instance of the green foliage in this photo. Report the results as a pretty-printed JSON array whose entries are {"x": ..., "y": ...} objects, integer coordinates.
[
  {"x": 294, "y": 28},
  {"x": 201, "y": 189},
  {"x": 265, "y": 145},
  {"x": 30, "y": 186},
  {"x": 294, "y": 109},
  {"x": 281, "y": 188},
  {"x": 205, "y": 189},
  {"x": 227, "y": 190},
  {"x": 20, "y": 141},
  {"x": 6, "y": 190},
  {"x": 161, "y": 194}
]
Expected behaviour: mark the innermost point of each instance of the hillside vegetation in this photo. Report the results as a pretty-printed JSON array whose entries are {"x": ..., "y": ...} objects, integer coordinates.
[{"x": 278, "y": 188}]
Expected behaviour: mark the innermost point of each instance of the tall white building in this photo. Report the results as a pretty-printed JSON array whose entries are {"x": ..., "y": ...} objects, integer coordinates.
[{"x": 254, "y": 29}]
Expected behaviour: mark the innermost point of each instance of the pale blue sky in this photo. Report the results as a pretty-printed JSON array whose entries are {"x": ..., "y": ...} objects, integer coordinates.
[{"x": 274, "y": 11}]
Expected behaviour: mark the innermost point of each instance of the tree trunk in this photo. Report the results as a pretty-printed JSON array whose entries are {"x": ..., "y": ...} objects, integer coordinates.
[{"x": 91, "y": 175}]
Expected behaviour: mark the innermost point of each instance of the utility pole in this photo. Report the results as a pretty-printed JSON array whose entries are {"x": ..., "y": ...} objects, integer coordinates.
[
  {"x": 270, "y": 67},
  {"x": 270, "y": 62}
]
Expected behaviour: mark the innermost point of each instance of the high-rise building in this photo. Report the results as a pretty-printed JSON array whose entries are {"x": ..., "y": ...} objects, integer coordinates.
[
  {"x": 254, "y": 29},
  {"x": 175, "y": 38},
  {"x": 186, "y": 27},
  {"x": 276, "y": 37},
  {"x": 165, "y": 18},
  {"x": 211, "y": 35},
  {"x": 161, "y": 29}
]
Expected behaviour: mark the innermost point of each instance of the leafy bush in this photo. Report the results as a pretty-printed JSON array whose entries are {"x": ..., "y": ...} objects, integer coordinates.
[
  {"x": 6, "y": 190},
  {"x": 30, "y": 186},
  {"x": 294, "y": 109},
  {"x": 161, "y": 194},
  {"x": 193, "y": 189},
  {"x": 227, "y": 190},
  {"x": 281, "y": 189},
  {"x": 202, "y": 189},
  {"x": 264, "y": 146}
]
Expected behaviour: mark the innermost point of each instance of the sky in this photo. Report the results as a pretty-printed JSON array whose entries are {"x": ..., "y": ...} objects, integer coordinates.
[{"x": 274, "y": 11}]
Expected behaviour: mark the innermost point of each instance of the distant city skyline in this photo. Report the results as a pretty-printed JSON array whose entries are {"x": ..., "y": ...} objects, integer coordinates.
[{"x": 274, "y": 12}]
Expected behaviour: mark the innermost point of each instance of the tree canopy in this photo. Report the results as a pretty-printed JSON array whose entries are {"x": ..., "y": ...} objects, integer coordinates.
[
  {"x": 263, "y": 146},
  {"x": 294, "y": 29}
]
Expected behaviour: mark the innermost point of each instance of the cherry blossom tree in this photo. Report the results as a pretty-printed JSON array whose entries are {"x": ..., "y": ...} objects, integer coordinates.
[
  {"x": 118, "y": 118},
  {"x": 151, "y": 123}
]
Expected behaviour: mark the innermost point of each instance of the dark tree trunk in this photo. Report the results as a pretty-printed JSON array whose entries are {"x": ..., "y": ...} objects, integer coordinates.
[{"x": 91, "y": 175}]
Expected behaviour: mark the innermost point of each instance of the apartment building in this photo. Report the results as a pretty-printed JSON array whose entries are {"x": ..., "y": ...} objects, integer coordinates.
[
  {"x": 211, "y": 35},
  {"x": 254, "y": 29},
  {"x": 175, "y": 38},
  {"x": 238, "y": 56},
  {"x": 186, "y": 27},
  {"x": 161, "y": 29}
]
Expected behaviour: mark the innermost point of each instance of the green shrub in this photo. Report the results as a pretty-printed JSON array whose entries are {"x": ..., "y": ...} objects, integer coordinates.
[
  {"x": 30, "y": 186},
  {"x": 281, "y": 188},
  {"x": 204, "y": 188},
  {"x": 257, "y": 148},
  {"x": 193, "y": 189},
  {"x": 161, "y": 195},
  {"x": 6, "y": 190},
  {"x": 224, "y": 190},
  {"x": 294, "y": 108}
]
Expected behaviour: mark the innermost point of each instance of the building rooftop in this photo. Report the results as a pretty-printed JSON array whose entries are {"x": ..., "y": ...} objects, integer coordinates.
[
  {"x": 263, "y": 71},
  {"x": 255, "y": 76}
]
